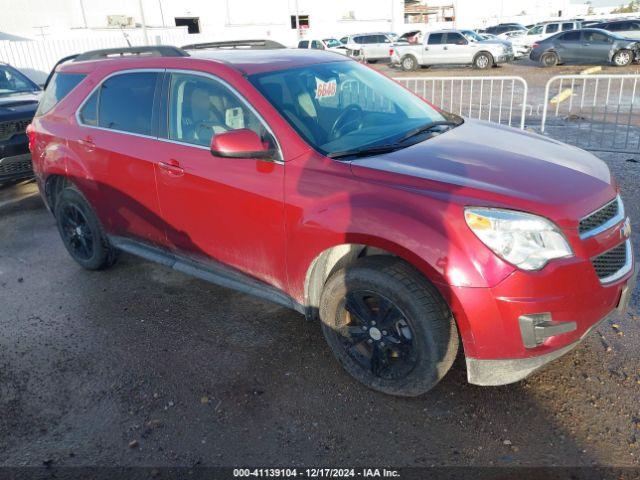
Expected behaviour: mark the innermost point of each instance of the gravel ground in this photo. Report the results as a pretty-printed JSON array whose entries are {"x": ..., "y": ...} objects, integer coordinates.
[{"x": 141, "y": 365}]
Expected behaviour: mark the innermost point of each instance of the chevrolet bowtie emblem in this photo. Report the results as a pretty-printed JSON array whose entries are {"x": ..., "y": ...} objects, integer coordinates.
[{"x": 625, "y": 231}]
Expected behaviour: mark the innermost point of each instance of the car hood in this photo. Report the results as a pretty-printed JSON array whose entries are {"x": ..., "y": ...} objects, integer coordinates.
[
  {"x": 501, "y": 165},
  {"x": 18, "y": 106}
]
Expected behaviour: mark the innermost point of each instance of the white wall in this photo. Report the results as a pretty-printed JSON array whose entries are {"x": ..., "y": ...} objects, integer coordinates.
[{"x": 220, "y": 19}]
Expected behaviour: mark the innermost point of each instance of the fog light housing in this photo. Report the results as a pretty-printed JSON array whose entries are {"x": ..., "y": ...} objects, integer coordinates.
[{"x": 535, "y": 328}]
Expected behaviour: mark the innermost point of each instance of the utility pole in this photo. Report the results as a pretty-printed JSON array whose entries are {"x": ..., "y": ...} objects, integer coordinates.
[
  {"x": 297, "y": 21},
  {"x": 84, "y": 14},
  {"x": 144, "y": 23},
  {"x": 161, "y": 12}
]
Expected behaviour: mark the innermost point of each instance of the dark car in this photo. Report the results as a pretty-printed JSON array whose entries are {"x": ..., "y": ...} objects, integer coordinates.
[
  {"x": 624, "y": 28},
  {"x": 585, "y": 46},
  {"x": 505, "y": 27},
  {"x": 18, "y": 102}
]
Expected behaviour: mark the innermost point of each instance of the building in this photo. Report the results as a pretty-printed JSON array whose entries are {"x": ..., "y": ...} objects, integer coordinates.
[{"x": 281, "y": 20}]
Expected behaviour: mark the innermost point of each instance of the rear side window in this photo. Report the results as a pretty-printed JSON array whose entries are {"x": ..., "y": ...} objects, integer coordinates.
[
  {"x": 89, "y": 111},
  {"x": 126, "y": 102},
  {"x": 59, "y": 87},
  {"x": 572, "y": 36},
  {"x": 315, "y": 44},
  {"x": 303, "y": 44},
  {"x": 435, "y": 38}
]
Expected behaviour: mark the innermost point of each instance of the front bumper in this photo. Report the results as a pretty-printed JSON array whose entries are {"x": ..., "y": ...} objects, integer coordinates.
[
  {"x": 492, "y": 372},
  {"x": 15, "y": 159}
]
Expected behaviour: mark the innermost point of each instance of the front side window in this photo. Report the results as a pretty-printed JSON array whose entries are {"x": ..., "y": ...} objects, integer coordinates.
[
  {"x": 342, "y": 106},
  {"x": 567, "y": 26},
  {"x": 59, "y": 87},
  {"x": 201, "y": 107},
  {"x": 595, "y": 37},
  {"x": 303, "y": 44},
  {"x": 125, "y": 102},
  {"x": 317, "y": 45},
  {"x": 455, "y": 39}
]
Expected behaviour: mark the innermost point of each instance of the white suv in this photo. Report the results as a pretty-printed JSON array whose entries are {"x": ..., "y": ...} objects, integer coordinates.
[{"x": 374, "y": 46}]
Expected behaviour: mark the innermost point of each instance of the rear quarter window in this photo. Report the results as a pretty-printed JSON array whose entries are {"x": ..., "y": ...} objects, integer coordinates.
[{"x": 59, "y": 87}]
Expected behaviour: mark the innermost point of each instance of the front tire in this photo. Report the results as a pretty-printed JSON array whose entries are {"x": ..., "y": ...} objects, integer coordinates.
[
  {"x": 388, "y": 326},
  {"x": 81, "y": 232},
  {"x": 622, "y": 58},
  {"x": 482, "y": 61}
]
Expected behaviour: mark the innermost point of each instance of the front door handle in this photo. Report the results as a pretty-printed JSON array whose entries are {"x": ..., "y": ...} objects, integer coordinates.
[{"x": 172, "y": 167}]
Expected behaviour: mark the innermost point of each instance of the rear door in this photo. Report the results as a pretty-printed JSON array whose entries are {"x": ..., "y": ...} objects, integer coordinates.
[
  {"x": 228, "y": 209},
  {"x": 434, "y": 52},
  {"x": 116, "y": 140}
]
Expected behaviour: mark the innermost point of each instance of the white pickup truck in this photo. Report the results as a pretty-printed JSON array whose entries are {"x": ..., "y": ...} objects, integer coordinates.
[{"x": 451, "y": 47}]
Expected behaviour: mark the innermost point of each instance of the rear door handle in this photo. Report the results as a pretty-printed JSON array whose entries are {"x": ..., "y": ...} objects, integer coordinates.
[{"x": 172, "y": 167}]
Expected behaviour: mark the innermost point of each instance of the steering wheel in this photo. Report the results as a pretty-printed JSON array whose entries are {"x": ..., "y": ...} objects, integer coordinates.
[{"x": 349, "y": 120}]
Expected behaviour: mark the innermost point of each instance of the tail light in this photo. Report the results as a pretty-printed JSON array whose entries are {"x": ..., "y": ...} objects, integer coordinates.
[
  {"x": 535, "y": 45},
  {"x": 31, "y": 134},
  {"x": 390, "y": 51}
]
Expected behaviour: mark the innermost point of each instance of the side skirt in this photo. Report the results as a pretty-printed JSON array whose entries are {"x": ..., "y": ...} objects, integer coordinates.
[{"x": 210, "y": 271}]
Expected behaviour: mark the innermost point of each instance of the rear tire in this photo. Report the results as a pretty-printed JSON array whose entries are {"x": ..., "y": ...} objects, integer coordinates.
[
  {"x": 549, "y": 59},
  {"x": 622, "y": 58},
  {"x": 81, "y": 232},
  {"x": 409, "y": 63},
  {"x": 483, "y": 60},
  {"x": 407, "y": 350}
]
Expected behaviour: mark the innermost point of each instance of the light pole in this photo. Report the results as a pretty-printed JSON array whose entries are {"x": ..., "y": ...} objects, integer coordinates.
[{"x": 144, "y": 23}]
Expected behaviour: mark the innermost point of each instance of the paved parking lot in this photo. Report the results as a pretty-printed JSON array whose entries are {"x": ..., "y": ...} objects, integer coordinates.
[{"x": 141, "y": 365}]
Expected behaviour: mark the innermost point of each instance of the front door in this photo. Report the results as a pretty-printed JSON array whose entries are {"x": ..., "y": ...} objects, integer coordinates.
[
  {"x": 595, "y": 46},
  {"x": 228, "y": 209},
  {"x": 457, "y": 49}
]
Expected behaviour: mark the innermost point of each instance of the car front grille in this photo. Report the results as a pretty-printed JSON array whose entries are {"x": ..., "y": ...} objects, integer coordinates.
[
  {"x": 599, "y": 217},
  {"x": 11, "y": 169},
  {"x": 610, "y": 263},
  {"x": 13, "y": 127}
]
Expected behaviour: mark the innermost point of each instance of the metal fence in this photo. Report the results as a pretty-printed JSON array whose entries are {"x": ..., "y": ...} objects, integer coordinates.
[
  {"x": 496, "y": 99},
  {"x": 599, "y": 112}
]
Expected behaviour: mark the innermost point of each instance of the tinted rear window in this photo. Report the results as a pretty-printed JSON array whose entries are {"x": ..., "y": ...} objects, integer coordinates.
[
  {"x": 59, "y": 87},
  {"x": 126, "y": 102},
  {"x": 435, "y": 38}
]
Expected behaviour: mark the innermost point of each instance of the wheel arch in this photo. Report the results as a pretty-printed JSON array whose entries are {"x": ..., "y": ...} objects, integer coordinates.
[{"x": 338, "y": 256}]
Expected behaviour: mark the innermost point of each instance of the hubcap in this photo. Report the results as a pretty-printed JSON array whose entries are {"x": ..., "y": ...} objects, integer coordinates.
[
  {"x": 76, "y": 232},
  {"x": 482, "y": 61},
  {"x": 376, "y": 335},
  {"x": 622, "y": 58},
  {"x": 408, "y": 64}
]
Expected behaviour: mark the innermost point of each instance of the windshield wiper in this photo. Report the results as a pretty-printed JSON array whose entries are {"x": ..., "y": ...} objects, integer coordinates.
[
  {"x": 366, "y": 151},
  {"x": 426, "y": 128}
]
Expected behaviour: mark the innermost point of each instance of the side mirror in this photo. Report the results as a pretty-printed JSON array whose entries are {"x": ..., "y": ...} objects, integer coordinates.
[{"x": 240, "y": 143}]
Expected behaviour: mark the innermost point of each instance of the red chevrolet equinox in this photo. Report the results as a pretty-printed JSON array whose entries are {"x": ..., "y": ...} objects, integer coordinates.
[{"x": 311, "y": 180}]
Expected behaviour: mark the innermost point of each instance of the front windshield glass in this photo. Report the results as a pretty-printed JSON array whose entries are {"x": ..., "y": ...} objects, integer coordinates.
[
  {"x": 344, "y": 106},
  {"x": 332, "y": 43},
  {"x": 536, "y": 30},
  {"x": 12, "y": 81},
  {"x": 472, "y": 36}
]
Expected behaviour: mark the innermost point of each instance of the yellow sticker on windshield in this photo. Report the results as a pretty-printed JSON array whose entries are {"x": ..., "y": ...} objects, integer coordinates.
[{"x": 326, "y": 89}]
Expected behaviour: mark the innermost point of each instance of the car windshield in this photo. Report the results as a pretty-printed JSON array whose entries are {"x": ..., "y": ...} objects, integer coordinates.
[
  {"x": 332, "y": 43},
  {"x": 345, "y": 106},
  {"x": 472, "y": 36},
  {"x": 12, "y": 81},
  {"x": 536, "y": 30}
]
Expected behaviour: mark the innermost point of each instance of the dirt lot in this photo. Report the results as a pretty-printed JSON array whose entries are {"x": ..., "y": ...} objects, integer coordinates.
[{"x": 141, "y": 365}]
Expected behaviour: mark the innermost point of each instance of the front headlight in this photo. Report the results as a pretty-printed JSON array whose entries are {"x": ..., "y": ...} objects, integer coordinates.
[{"x": 522, "y": 239}]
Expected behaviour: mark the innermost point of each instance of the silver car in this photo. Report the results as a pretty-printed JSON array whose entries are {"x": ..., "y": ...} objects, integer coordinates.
[{"x": 373, "y": 46}]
